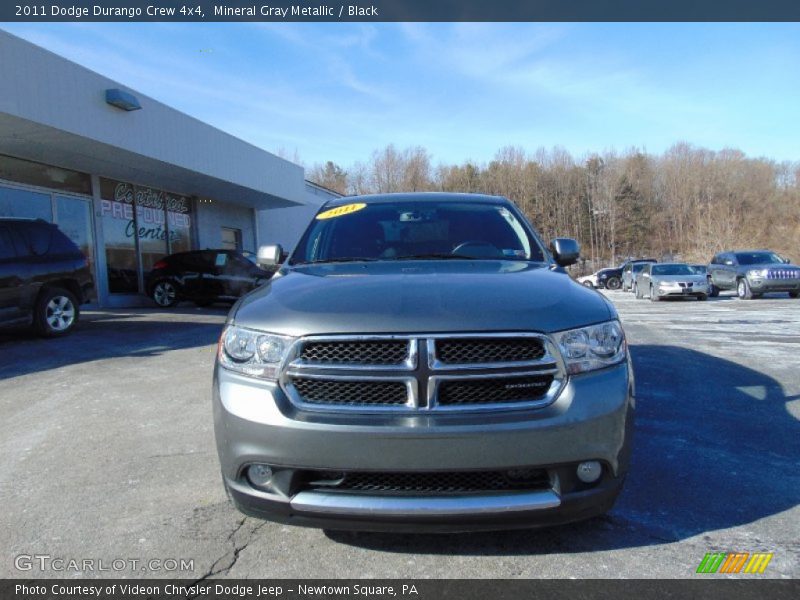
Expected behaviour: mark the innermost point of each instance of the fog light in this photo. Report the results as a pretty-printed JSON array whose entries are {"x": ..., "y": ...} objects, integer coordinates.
[
  {"x": 589, "y": 471},
  {"x": 259, "y": 475}
]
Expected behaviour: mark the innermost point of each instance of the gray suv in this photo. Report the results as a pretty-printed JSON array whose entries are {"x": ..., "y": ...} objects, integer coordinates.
[
  {"x": 753, "y": 273},
  {"x": 423, "y": 362}
]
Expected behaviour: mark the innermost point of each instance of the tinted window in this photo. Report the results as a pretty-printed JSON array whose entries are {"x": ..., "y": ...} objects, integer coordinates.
[
  {"x": 61, "y": 244},
  {"x": 672, "y": 270},
  {"x": 755, "y": 258},
  {"x": 639, "y": 266},
  {"x": 398, "y": 230},
  {"x": 35, "y": 238},
  {"x": 6, "y": 245},
  {"x": 197, "y": 261}
]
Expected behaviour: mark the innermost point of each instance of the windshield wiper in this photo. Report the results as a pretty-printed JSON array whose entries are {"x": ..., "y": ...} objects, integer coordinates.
[
  {"x": 434, "y": 255},
  {"x": 335, "y": 260}
]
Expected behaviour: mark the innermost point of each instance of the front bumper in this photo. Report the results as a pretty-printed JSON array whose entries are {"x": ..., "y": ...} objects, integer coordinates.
[
  {"x": 761, "y": 285},
  {"x": 677, "y": 291},
  {"x": 590, "y": 420}
]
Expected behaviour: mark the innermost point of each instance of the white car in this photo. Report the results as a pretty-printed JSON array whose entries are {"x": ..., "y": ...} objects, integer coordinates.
[{"x": 589, "y": 281}]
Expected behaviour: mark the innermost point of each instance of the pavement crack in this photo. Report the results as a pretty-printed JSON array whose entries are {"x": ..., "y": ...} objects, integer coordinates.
[{"x": 239, "y": 542}]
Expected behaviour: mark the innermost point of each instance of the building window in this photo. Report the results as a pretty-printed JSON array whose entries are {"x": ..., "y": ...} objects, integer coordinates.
[
  {"x": 72, "y": 214},
  {"x": 15, "y": 202},
  {"x": 232, "y": 239},
  {"x": 33, "y": 173},
  {"x": 140, "y": 226}
]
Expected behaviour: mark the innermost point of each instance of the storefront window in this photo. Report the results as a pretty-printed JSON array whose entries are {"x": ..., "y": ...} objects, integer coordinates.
[
  {"x": 33, "y": 173},
  {"x": 159, "y": 221},
  {"x": 25, "y": 204},
  {"x": 74, "y": 218}
]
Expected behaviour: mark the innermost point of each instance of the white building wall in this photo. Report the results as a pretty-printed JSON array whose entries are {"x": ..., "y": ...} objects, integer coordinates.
[
  {"x": 42, "y": 88},
  {"x": 213, "y": 216},
  {"x": 285, "y": 226}
]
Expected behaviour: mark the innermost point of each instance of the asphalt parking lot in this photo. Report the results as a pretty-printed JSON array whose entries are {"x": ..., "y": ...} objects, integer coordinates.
[{"x": 108, "y": 453}]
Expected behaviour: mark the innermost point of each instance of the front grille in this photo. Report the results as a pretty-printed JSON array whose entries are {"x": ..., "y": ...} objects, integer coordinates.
[
  {"x": 447, "y": 482},
  {"x": 419, "y": 373},
  {"x": 366, "y": 352},
  {"x": 493, "y": 391},
  {"x": 463, "y": 351},
  {"x": 336, "y": 392},
  {"x": 783, "y": 274},
  {"x": 683, "y": 285}
]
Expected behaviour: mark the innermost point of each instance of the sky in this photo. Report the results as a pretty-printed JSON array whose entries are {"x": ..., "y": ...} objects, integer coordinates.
[{"x": 339, "y": 91}]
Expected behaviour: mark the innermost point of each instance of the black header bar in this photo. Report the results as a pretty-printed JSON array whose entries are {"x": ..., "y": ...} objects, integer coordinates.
[{"x": 399, "y": 10}]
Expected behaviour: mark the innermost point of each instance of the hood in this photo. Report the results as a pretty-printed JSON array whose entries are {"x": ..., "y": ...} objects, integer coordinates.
[
  {"x": 421, "y": 296},
  {"x": 777, "y": 266}
]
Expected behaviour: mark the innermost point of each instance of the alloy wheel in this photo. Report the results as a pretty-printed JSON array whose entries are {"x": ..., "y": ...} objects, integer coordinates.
[{"x": 60, "y": 313}]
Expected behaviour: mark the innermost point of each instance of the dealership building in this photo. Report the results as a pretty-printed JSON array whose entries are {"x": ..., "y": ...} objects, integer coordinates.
[{"x": 130, "y": 179}]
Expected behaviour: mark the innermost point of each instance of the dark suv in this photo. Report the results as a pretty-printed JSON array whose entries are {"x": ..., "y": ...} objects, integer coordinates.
[
  {"x": 753, "y": 273},
  {"x": 203, "y": 276},
  {"x": 44, "y": 277}
]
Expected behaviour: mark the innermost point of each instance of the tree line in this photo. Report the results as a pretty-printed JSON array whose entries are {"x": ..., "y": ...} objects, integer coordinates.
[{"x": 685, "y": 204}]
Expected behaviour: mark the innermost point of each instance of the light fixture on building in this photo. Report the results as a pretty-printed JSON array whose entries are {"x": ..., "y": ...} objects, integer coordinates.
[{"x": 122, "y": 99}]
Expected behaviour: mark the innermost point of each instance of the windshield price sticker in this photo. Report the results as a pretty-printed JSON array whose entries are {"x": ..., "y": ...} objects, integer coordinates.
[{"x": 341, "y": 210}]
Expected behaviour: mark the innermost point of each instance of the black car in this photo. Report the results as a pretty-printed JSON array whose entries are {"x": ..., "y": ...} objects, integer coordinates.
[
  {"x": 204, "y": 277},
  {"x": 44, "y": 277},
  {"x": 612, "y": 278}
]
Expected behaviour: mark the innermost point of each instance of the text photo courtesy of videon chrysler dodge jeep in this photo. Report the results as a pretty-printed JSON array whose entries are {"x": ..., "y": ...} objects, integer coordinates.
[{"x": 441, "y": 293}]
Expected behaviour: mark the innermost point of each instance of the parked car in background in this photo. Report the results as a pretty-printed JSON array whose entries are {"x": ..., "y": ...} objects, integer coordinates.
[
  {"x": 589, "y": 281},
  {"x": 612, "y": 278},
  {"x": 630, "y": 271},
  {"x": 204, "y": 277},
  {"x": 670, "y": 280},
  {"x": 752, "y": 273},
  {"x": 44, "y": 277}
]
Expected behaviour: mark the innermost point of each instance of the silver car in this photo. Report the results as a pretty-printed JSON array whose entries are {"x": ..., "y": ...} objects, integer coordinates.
[
  {"x": 670, "y": 280},
  {"x": 423, "y": 362}
]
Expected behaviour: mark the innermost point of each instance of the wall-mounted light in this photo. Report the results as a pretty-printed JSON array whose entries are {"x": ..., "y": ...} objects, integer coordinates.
[{"x": 122, "y": 99}]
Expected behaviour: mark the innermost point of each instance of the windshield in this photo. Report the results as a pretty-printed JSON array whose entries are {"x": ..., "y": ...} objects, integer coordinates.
[
  {"x": 416, "y": 230},
  {"x": 672, "y": 270},
  {"x": 757, "y": 258},
  {"x": 638, "y": 267},
  {"x": 699, "y": 269}
]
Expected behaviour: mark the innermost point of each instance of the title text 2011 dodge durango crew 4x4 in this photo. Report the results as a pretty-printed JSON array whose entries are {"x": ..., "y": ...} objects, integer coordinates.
[{"x": 423, "y": 362}]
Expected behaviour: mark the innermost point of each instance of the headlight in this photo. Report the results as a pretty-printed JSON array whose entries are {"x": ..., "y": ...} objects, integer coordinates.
[
  {"x": 591, "y": 348},
  {"x": 758, "y": 272},
  {"x": 253, "y": 353}
]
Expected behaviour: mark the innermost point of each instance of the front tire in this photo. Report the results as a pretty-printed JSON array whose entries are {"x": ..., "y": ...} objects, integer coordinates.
[
  {"x": 165, "y": 293},
  {"x": 56, "y": 312},
  {"x": 794, "y": 294},
  {"x": 743, "y": 290},
  {"x": 653, "y": 296},
  {"x": 713, "y": 291},
  {"x": 613, "y": 283},
  {"x": 637, "y": 292},
  {"x": 588, "y": 284}
]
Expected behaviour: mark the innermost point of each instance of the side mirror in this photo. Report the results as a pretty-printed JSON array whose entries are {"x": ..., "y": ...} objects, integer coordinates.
[
  {"x": 566, "y": 251},
  {"x": 269, "y": 255}
]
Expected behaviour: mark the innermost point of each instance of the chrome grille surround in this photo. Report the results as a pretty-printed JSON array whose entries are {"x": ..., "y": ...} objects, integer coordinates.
[
  {"x": 423, "y": 374},
  {"x": 783, "y": 273}
]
